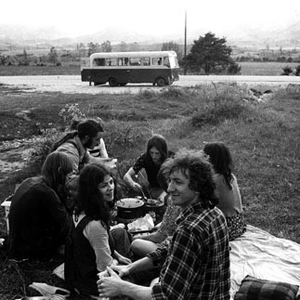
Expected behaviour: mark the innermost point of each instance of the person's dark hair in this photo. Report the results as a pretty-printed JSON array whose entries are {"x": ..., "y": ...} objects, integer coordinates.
[
  {"x": 163, "y": 175},
  {"x": 90, "y": 199},
  {"x": 74, "y": 124},
  {"x": 195, "y": 166},
  {"x": 56, "y": 167},
  {"x": 89, "y": 127},
  {"x": 220, "y": 157},
  {"x": 159, "y": 142}
]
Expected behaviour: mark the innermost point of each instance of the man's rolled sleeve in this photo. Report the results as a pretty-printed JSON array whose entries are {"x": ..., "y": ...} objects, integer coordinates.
[{"x": 158, "y": 256}]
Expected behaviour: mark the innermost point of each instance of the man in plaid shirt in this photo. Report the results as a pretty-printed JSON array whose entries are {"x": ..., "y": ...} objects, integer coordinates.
[{"x": 196, "y": 264}]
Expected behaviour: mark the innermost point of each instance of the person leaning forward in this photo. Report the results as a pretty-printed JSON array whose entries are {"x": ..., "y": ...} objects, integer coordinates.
[
  {"x": 76, "y": 144},
  {"x": 196, "y": 263}
]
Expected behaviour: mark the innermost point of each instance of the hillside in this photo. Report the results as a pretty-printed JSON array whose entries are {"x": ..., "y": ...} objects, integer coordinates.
[{"x": 24, "y": 36}]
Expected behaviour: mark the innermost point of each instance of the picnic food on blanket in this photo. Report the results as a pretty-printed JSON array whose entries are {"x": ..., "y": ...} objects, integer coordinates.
[{"x": 142, "y": 224}]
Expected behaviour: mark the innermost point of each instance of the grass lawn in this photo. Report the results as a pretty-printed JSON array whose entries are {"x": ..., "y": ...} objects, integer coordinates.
[
  {"x": 265, "y": 68},
  {"x": 73, "y": 68},
  {"x": 262, "y": 136}
]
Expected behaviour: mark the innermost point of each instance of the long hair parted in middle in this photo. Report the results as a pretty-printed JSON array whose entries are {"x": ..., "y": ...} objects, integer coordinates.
[
  {"x": 160, "y": 143},
  {"x": 220, "y": 157},
  {"x": 56, "y": 167},
  {"x": 90, "y": 199}
]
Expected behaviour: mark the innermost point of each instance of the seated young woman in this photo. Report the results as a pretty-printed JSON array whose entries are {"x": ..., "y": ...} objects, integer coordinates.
[
  {"x": 227, "y": 189},
  {"x": 145, "y": 244},
  {"x": 38, "y": 220},
  {"x": 151, "y": 160},
  {"x": 91, "y": 247}
]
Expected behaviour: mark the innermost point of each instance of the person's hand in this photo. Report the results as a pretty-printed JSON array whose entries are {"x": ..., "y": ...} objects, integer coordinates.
[
  {"x": 124, "y": 260},
  {"x": 110, "y": 163},
  {"x": 137, "y": 187},
  {"x": 162, "y": 197},
  {"x": 121, "y": 270},
  {"x": 110, "y": 286}
]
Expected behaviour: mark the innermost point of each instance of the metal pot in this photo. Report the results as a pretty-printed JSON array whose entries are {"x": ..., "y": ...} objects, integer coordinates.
[
  {"x": 130, "y": 208},
  {"x": 156, "y": 208}
]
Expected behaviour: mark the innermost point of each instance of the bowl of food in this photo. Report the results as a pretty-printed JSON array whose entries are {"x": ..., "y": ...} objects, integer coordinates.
[
  {"x": 130, "y": 208},
  {"x": 154, "y": 203}
]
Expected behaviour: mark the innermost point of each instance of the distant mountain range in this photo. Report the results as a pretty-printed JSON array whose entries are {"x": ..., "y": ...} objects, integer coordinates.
[{"x": 287, "y": 36}]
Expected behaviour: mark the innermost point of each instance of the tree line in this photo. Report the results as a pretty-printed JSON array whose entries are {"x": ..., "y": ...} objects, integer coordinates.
[{"x": 207, "y": 55}]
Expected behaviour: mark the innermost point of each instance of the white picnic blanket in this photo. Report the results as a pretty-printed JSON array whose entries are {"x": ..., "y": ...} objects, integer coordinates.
[
  {"x": 264, "y": 256},
  {"x": 259, "y": 254}
]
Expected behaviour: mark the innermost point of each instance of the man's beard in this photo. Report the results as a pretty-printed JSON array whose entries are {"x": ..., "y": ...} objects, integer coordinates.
[{"x": 88, "y": 144}]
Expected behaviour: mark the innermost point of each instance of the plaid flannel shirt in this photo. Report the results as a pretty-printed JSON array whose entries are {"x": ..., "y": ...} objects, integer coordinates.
[{"x": 196, "y": 265}]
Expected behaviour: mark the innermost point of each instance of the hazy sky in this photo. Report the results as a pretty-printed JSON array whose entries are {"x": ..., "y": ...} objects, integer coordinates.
[{"x": 75, "y": 18}]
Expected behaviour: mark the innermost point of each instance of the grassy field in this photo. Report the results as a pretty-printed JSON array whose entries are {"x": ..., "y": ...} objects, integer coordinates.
[
  {"x": 263, "y": 137},
  {"x": 265, "y": 68},
  {"x": 247, "y": 68},
  {"x": 39, "y": 70}
]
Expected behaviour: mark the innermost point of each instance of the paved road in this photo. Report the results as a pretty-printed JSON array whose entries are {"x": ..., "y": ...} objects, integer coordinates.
[{"x": 73, "y": 84}]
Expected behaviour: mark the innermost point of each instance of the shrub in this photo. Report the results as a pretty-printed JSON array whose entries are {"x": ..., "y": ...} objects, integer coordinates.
[
  {"x": 41, "y": 145},
  {"x": 216, "y": 114},
  {"x": 227, "y": 103},
  {"x": 71, "y": 112},
  {"x": 287, "y": 71},
  {"x": 297, "y": 70},
  {"x": 234, "y": 69}
]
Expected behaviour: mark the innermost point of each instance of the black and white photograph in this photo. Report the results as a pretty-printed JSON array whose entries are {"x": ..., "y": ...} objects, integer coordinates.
[{"x": 149, "y": 150}]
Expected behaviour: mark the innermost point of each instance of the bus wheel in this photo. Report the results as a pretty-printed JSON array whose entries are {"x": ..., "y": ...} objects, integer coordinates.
[
  {"x": 113, "y": 81},
  {"x": 160, "y": 81}
]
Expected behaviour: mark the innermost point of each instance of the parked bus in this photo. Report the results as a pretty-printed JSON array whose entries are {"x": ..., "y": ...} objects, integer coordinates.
[{"x": 119, "y": 68}]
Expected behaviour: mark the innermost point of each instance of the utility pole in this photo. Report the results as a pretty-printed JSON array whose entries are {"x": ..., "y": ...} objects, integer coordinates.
[{"x": 185, "y": 22}]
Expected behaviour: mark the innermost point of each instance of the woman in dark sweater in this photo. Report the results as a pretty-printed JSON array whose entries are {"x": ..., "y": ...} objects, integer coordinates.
[
  {"x": 38, "y": 220},
  {"x": 155, "y": 155}
]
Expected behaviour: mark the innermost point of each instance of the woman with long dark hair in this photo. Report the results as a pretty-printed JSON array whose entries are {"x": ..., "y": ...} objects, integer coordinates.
[
  {"x": 227, "y": 189},
  {"x": 155, "y": 155},
  {"x": 38, "y": 220},
  {"x": 91, "y": 247}
]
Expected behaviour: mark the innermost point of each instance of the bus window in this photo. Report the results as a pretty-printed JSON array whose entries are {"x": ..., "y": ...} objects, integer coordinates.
[
  {"x": 145, "y": 61},
  {"x": 111, "y": 62},
  {"x": 97, "y": 62},
  {"x": 120, "y": 61},
  {"x": 156, "y": 61},
  {"x": 166, "y": 62},
  {"x": 126, "y": 61},
  {"x": 135, "y": 61}
]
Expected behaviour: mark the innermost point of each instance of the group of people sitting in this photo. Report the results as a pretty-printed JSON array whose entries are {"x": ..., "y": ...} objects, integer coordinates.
[{"x": 68, "y": 209}]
